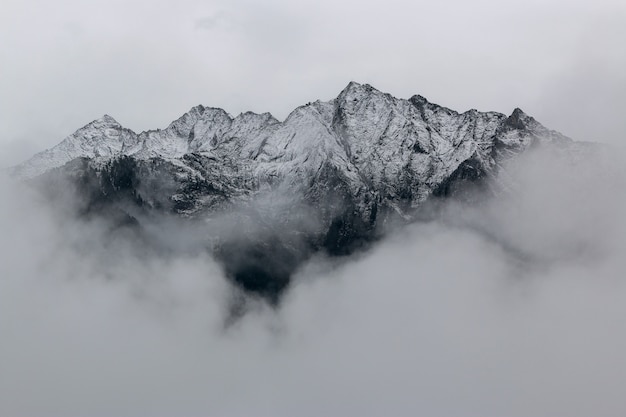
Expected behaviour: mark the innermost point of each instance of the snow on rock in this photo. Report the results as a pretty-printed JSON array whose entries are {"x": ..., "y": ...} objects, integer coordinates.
[
  {"x": 102, "y": 138},
  {"x": 329, "y": 177},
  {"x": 398, "y": 149}
]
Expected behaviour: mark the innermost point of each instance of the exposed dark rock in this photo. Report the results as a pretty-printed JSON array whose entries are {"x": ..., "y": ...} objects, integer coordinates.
[{"x": 329, "y": 178}]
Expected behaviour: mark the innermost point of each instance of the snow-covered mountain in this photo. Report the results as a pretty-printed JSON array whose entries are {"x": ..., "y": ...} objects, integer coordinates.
[{"x": 326, "y": 178}]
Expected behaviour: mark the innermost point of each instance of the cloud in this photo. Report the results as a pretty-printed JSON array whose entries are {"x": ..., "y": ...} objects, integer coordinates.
[
  {"x": 211, "y": 22},
  {"x": 511, "y": 307}
]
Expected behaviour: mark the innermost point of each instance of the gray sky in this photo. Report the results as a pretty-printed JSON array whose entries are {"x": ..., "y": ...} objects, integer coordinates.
[
  {"x": 67, "y": 62},
  {"x": 462, "y": 326}
]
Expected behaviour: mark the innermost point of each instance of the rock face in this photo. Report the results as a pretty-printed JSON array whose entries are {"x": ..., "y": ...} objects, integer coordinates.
[{"x": 327, "y": 178}]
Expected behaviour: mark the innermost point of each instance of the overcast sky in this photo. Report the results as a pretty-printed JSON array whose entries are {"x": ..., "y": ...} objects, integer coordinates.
[
  {"x": 68, "y": 62},
  {"x": 515, "y": 308}
]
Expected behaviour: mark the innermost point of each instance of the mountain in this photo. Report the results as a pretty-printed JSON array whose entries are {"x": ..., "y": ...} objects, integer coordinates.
[{"x": 268, "y": 194}]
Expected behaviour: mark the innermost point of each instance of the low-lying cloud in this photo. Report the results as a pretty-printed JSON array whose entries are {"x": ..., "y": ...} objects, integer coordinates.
[{"x": 514, "y": 307}]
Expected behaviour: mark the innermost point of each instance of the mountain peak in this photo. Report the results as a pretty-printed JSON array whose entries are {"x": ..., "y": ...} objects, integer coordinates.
[
  {"x": 352, "y": 85},
  {"x": 517, "y": 112},
  {"x": 356, "y": 91},
  {"x": 419, "y": 100},
  {"x": 104, "y": 122},
  {"x": 519, "y": 120},
  {"x": 365, "y": 122},
  {"x": 106, "y": 119},
  {"x": 354, "y": 165},
  {"x": 358, "y": 162}
]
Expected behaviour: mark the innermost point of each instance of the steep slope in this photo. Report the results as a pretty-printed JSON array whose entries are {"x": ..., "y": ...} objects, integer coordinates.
[{"x": 329, "y": 177}]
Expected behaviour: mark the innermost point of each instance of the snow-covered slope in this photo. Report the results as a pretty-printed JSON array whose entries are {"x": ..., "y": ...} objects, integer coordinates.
[
  {"x": 372, "y": 138},
  {"x": 102, "y": 138},
  {"x": 325, "y": 178}
]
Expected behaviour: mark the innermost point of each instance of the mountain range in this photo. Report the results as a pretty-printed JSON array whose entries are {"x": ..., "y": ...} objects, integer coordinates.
[{"x": 264, "y": 195}]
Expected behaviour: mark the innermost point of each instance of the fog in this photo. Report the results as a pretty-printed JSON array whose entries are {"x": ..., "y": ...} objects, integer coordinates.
[{"x": 513, "y": 306}]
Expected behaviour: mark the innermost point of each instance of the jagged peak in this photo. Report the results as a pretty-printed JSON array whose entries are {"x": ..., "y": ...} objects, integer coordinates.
[
  {"x": 358, "y": 105},
  {"x": 357, "y": 91},
  {"x": 255, "y": 120},
  {"x": 201, "y": 110},
  {"x": 197, "y": 113},
  {"x": 422, "y": 102},
  {"x": 214, "y": 110},
  {"x": 197, "y": 109},
  {"x": 254, "y": 115},
  {"x": 517, "y": 112},
  {"x": 419, "y": 100},
  {"x": 104, "y": 120},
  {"x": 351, "y": 85},
  {"x": 519, "y": 120}
]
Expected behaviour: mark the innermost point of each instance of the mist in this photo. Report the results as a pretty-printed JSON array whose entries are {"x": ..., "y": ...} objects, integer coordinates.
[{"x": 513, "y": 305}]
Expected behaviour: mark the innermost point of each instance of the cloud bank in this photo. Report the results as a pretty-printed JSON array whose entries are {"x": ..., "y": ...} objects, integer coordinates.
[{"x": 512, "y": 307}]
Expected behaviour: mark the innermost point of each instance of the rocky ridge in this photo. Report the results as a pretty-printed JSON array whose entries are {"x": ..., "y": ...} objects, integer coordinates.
[{"x": 327, "y": 178}]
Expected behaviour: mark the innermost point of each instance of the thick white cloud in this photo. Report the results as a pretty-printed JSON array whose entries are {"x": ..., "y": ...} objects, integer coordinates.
[
  {"x": 514, "y": 307},
  {"x": 67, "y": 63}
]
